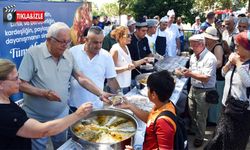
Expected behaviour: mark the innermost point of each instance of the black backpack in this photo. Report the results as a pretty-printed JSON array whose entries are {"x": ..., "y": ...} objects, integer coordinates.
[{"x": 180, "y": 138}]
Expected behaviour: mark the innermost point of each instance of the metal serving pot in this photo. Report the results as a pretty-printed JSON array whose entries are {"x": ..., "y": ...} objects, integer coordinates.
[
  {"x": 139, "y": 79},
  {"x": 104, "y": 146}
]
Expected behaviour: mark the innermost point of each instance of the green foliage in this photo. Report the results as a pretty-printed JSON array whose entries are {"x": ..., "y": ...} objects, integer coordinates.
[
  {"x": 126, "y": 6},
  {"x": 219, "y": 4},
  {"x": 110, "y": 9},
  {"x": 160, "y": 7},
  {"x": 95, "y": 10}
]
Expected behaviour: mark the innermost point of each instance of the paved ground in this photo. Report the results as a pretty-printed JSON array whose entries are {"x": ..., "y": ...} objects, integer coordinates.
[{"x": 209, "y": 133}]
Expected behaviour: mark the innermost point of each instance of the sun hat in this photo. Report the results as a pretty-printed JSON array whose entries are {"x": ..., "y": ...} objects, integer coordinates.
[{"x": 211, "y": 33}]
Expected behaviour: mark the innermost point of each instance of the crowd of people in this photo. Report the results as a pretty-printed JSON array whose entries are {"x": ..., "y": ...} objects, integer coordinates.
[{"x": 80, "y": 64}]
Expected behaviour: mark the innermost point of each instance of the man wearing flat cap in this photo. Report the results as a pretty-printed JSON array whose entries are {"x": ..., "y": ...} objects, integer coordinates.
[
  {"x": 139, "y": 47},
  {"x": 202, "y": 72},
  {"x": 152, "y": 25}
]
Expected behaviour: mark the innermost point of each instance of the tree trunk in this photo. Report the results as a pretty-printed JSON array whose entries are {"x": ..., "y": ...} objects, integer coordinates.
[{"x": 248, "y": 10}]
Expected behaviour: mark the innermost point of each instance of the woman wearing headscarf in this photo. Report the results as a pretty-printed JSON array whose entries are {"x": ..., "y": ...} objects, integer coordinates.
[{"x": 233, "y": 129}]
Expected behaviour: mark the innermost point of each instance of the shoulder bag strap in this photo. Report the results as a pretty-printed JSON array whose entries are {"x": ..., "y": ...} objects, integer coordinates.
[
  {"x": 165, "y": 113},
  {"x": 231, "y": 80},
  {"x": 248, "y": 88}
]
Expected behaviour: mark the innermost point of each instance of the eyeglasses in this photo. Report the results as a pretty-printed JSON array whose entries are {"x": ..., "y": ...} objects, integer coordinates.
[
  {"x": 194, "y": 44},
  {"x": 67, "y": 43},
  {"x": 15, "y": 79}
]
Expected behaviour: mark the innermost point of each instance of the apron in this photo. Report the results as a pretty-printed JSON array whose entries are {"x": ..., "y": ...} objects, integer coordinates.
[{"x": 160, "y": 44}]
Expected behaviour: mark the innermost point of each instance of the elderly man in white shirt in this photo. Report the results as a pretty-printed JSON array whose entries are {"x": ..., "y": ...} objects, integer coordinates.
[
  {"x": 230, "y": 32},
  {"x": 203, "y": 78}
]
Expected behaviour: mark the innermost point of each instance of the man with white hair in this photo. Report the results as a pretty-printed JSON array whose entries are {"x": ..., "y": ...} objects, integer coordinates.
[
  {"x": 45, "y": 73},
  {"x": 197, "y": 25},
  {"x": 173, "y": 36},
  {"x": 242, "y": 24},
  {"x": 202, "y": 72},
  {"x": 230, "y": 31}
]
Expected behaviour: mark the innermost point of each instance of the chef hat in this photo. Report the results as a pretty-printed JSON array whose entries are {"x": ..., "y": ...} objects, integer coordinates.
[
  {"x": 141, "y": 22},
  {"x": 152, "y": 22},
  {"x": 164, "y": 19},
  {"x": 171, "y": 13}
]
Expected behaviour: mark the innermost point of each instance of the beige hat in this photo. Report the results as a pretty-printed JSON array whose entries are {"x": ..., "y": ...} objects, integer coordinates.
[
  {"x": 211, "y": 33},
  {"x": 197, "y": 37}
]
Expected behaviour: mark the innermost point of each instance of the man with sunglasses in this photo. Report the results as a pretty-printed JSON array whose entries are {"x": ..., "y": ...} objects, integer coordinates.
[{"x": 45, "y": 73}]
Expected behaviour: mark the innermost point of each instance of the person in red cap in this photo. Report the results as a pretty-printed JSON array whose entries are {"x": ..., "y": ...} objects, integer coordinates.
[{"x": 233, "y": 129}]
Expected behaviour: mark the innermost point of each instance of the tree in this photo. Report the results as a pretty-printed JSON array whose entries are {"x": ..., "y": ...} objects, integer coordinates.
[
  {"x": 110, "y": 9},
  {"x": 161, "y": 7},
  {"x": 95, "y": 10},
  {"x": 248, "y": 10},
  {"x": 205, "y": 5},
  {"x": 125, "y": 6}
]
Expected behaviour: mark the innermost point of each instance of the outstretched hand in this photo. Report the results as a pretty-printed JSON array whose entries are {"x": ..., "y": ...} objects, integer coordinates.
[
  {"x": 131, "y": 66},
  {"x": 124, "y": 105},
  {"x": 128, "y": 147},
  {"x": 52, "y": 96},
  {"x": 84, "y": 109},
  {"x": 105, "y": 97}
]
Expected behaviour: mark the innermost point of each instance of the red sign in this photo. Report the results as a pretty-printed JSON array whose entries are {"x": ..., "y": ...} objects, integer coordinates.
[{"x": 29, "y": 15}]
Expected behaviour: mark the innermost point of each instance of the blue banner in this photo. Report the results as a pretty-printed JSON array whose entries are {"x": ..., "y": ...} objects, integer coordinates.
[{"x": 17, "y": 37}]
